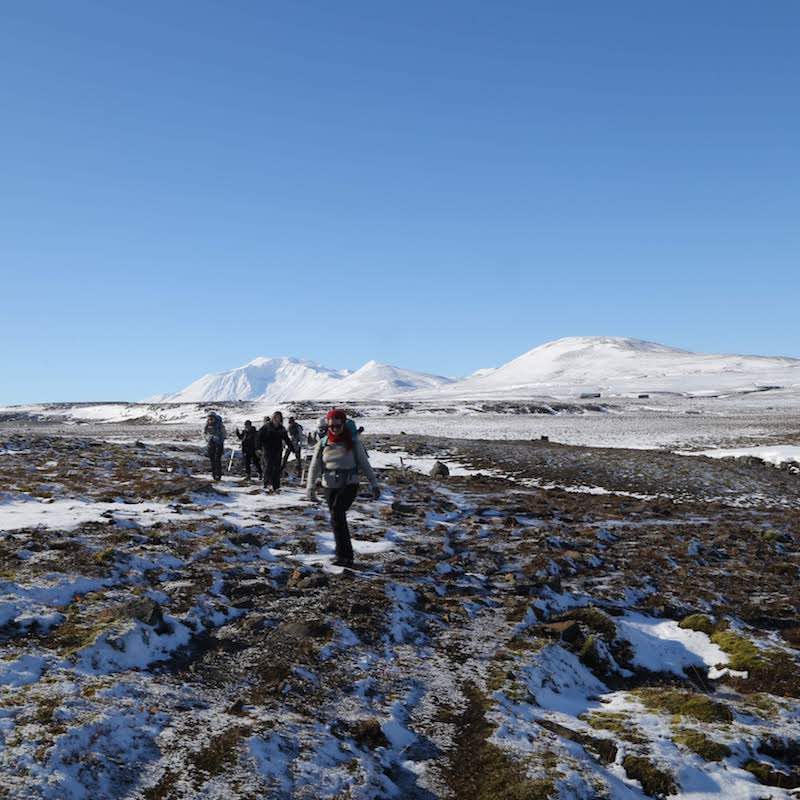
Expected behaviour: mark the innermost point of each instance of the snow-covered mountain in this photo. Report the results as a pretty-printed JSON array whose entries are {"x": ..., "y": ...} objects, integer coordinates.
[
  {"x": 618, "y": 365},
  {"x": 376, "y": 380},
  {"x": 280, "y": 380},
  {"x": 610, "y": 365}
]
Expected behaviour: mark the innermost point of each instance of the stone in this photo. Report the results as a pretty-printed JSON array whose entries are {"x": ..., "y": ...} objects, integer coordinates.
[
  {"x": 147, "y": 611},
  {"x": 440, "y": 470},
  {"x": 567, "y": 631}
]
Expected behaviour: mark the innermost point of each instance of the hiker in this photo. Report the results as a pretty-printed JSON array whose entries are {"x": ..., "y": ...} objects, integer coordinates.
[
  {"x": 248, "y": 439},
  {"x": 214, "y": 433},
  {"x": 337, "y": 459},
  {"x": 295, "y": 431},
  {"x": 269, "y": 441}
]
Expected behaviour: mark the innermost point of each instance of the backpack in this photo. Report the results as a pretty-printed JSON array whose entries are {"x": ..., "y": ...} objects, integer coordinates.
[{"x": 351, "y": 426}]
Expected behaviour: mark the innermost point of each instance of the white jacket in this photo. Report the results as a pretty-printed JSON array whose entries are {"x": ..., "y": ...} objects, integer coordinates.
[{"x": 329, "y": 459}]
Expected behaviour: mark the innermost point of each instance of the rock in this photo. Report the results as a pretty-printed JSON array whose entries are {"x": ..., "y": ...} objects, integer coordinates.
[
  {"x": 767, "y": 775},
  {"x": 605, "y": 750},
  {"x": 366, "y": 732},
  {"x": 439, "y": 470},
  {"x": 315, "y": 581},
  {"x": 296, "y": 577},
  {"x": 307, "y": 629},
  {"x": 147, "y": 611},
  {"x": 568, "y": 631}
]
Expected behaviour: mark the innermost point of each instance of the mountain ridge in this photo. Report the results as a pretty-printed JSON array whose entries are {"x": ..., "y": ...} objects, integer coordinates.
[{"x": 562, "y": 366}]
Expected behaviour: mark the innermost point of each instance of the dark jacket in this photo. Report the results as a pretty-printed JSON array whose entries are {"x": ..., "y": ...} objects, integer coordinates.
[
  {"x": 248, "y": 439},
  {"x": 214, "y": 430},
  {"x": 271, "y": 438},
  {"x": 295, "y": 431}
]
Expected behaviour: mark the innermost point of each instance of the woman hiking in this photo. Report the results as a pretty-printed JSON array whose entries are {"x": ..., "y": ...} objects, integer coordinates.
[{"x": 338, "y": 458}]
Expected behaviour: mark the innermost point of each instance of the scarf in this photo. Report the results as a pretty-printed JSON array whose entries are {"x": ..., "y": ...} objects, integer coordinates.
[{"x": 345, "y": 437}]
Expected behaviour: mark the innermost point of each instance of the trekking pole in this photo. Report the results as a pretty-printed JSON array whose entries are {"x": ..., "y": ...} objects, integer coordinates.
[{"x": 230, "y": 463}]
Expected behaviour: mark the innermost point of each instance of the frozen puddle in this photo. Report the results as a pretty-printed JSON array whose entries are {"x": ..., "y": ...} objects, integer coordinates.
[
  {"x": 659, "y": 645},
  {"x": 399, "y": 459},
  {"x": 773, "y": 454}
]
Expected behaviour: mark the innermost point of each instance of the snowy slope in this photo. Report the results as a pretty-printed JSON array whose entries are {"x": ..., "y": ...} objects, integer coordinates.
[
  {"x": 375, "y": 380},
  {"x": 283, "y": 379},
  {"x": 275, "y": 379},
  {"x": 618, "y": 365}
]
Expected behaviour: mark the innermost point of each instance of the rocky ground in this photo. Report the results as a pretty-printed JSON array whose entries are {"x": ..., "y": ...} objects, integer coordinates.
[{"x": 545, "y": 622}]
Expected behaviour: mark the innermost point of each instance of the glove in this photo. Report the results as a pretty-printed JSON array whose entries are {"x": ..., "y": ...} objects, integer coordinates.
[{"x": 376, "y": 492}]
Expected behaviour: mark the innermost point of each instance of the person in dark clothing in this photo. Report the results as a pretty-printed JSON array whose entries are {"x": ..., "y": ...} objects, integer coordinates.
[
  {"x": 248, "y": 439},
  {"x": 214, "y": 434},
  {"x": 295, "y": 431},
  {"x": 269, "y": 442}
]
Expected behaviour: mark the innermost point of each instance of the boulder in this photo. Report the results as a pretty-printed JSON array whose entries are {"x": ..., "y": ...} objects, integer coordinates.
[
  {"x": 567, "y": 631},
  {"x": 751, "y": 461},
  {"x": 439, "y": 470},
  {"x": 147, "y": 611}
]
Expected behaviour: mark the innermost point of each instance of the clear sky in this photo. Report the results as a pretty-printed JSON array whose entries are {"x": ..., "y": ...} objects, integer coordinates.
[{"x": 438, "y": 185}]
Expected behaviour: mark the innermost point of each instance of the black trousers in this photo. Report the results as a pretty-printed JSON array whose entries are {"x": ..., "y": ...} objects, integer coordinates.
[
  {"x": 339, "y": 500},
  {"x": 271, "y": 465},
  {"x": 215, "y": 456},
  {"x": 251, "y": 459},
  {"x": 296, "y": 451}
]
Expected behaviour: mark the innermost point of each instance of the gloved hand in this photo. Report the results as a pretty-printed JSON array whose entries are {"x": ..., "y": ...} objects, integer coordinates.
[{"x": 376, "y": 492}]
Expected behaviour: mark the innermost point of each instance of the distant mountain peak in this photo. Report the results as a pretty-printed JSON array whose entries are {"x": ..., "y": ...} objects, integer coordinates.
[
  {"x": 570, "y": 365},
  {"x": 284, "y": 378},
  {"x": 568, "y": 343}
]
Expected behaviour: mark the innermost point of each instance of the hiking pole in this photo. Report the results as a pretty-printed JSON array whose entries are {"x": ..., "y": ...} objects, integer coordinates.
[{"x": 230, "y": 463}]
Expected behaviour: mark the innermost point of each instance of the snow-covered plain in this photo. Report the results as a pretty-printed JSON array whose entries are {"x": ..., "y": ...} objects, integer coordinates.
[
  {"x": 162, "y": 636},
  {"x": 671, "y": 422}
]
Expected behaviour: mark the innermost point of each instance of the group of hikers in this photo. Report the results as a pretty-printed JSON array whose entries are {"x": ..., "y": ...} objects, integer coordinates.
[
  {"x": 338, "y": 457},
  {"x": 262, "y": 448}
]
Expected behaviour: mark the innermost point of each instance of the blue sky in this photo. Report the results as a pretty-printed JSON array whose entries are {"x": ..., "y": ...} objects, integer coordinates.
[{"x": 441, "y": 186}]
